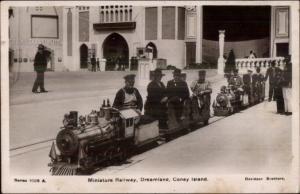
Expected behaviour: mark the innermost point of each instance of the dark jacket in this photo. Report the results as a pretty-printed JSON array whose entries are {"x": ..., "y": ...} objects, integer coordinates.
[
  {"x": 40, "y": 61},
  {"x": 178, "y": 89},
  {"x": 120, "y": 97},
  {"x": 271, "y": 74},
  {"x": 156, "y": 93},
  {"x": 257, "y": 78}
]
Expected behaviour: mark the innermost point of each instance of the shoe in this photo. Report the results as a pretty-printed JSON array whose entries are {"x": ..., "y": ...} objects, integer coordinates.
[
  {"x": 34, "y": 91},
  {"x": 270, "y": 100},
  {"x": 44, "y": 91}
]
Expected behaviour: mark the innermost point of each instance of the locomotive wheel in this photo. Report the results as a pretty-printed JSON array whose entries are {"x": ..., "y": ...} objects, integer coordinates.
[{"x": 123, "y": 155}]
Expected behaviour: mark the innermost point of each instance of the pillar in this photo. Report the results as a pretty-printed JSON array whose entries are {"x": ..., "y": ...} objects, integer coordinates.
[
  {"x": 221, "y": 61},
  {"x": 199, "y": 31}
]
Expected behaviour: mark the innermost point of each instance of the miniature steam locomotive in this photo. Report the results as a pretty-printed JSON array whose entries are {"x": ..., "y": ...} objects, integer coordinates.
[
  {"x": 111, "y": 135},
  {"x": 101, "y": 137}
]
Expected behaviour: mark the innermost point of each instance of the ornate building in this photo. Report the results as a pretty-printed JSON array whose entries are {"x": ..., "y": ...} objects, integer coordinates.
[{"x": 115, "y": 34}]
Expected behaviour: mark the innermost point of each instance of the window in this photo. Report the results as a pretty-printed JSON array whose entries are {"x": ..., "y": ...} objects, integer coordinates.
[
  {"x": 117, "y": 16},
  {"x": 181, "y": 23},
  {"x": 44, "y": 26},
  {"x": 151, "y": 23},
  {"x": 168, "y": 23},
  {"x": 111, "y": 16},
  {"x": 102, "y": 19}
]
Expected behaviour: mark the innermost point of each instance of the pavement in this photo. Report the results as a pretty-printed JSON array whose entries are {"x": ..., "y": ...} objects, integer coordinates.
[
  {"x": 232, "y": 144},
  {"x": 38, "y": 117}
]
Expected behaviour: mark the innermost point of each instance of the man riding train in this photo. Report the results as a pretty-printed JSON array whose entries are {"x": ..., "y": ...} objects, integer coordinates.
[
  {"x": 169, "y": 105},
  {"x": 201, "y": 98},
  {"x": 128, "y": 96}
]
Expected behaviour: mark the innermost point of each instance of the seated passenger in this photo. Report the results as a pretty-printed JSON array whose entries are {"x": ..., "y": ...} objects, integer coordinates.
[
  {"x": 128, "y": 96},
  {"x": 177, "y": 92},
  {"x": 235, "y": 80},
  {"x": 201, "y": 94},
  {"x": 155, "y": 105}
]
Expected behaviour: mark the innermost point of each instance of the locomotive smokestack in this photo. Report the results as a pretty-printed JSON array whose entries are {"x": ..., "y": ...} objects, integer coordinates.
[
  {"x": 108, "y": 104},
  {"x": 74, "y": 118},
  {"x": 103, "y": 103}
]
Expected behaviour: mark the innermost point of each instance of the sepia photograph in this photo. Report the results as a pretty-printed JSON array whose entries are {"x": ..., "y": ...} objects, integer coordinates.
[{"x": 168, "y": 97}]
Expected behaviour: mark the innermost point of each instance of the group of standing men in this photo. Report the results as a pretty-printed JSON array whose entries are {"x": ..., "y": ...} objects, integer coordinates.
[
  {"x": 280, "y": 86},
  {"x": 160, "y": 97}
]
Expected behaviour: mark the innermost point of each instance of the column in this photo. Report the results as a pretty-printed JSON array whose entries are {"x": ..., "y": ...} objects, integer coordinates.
[
  {"x": 199, "y": 30},
  {"x": 221, "y": 61},
  {"x": 159, "y": 22}
]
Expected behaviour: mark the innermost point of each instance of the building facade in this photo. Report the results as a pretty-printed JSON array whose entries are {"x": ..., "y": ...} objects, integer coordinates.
[{"x": 117, "y": 34}]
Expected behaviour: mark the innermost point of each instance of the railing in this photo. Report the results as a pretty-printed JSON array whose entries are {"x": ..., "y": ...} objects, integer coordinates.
[{"x": 251, "y": 64}]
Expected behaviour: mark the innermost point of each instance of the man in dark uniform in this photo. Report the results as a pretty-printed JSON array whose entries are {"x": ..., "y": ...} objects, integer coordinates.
[
  {"x": 177, "y": 92},
  {"x": 155, "y": 105},
  {"x": 271, "y": 74},
  {"x": 278, "y": 95},
  {"x": 128, "y": 96},
  {"x": 93, "y": 62},
  {"x": 40, "y": 66}
]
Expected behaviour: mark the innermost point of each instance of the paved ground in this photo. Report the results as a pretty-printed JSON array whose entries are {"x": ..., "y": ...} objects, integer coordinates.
[
  {"x": 38, "y": 117},
  {"x": 233, "y": 144}
]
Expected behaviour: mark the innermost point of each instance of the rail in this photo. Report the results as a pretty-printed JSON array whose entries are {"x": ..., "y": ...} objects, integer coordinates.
[{"x": 251, "y": 64}]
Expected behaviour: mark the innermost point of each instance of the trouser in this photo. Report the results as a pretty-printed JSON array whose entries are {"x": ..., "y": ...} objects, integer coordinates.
[
  {"x": 279, "y": 100},
  {"x": 271, "y": 91},
  {"x": 287, "y": 96},
  {"x": 39, "y": 82}
]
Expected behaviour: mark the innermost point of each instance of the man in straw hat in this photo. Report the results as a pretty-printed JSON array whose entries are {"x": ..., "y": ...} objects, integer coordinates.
[
  {"x": 40, "y": 66},
  {"x": 128, "y": 96},
  {"x": 201, "y": 95},
  {"x": 155, "y": 105}
]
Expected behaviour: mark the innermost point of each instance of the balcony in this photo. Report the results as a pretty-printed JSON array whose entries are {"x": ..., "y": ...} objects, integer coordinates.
[{"x": 114, "y": 26}]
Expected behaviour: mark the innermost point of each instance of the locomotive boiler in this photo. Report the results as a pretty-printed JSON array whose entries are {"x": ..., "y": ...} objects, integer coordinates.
[{"x": 100, "y": 138}]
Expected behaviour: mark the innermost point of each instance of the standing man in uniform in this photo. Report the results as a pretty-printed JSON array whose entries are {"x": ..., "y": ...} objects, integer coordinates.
[
  {"x": 271, "y": 74},
  {"x": 40, "y": 66},
  {"x": 155, "y": 105},
  {"x": 128, "y": 96},
  {"x": 93, "y": 62},
  {"x": 177, "y": 92}
]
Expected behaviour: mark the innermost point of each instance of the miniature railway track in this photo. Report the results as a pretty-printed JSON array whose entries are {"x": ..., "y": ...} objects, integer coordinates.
[{"x": 24, "y": 149}]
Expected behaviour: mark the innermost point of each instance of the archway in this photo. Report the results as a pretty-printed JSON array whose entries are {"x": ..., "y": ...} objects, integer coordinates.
[
  {"x": 151, "y": 46},
  {"x": 116, "y": 52},
  {"x": 83, "y": 56}
]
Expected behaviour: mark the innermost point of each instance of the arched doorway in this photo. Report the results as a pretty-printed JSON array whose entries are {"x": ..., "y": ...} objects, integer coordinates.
[
  {"x": 83, "y": 56},
  {"x": 116, "y": 52},
  {"x": 152, "y": 48}
]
